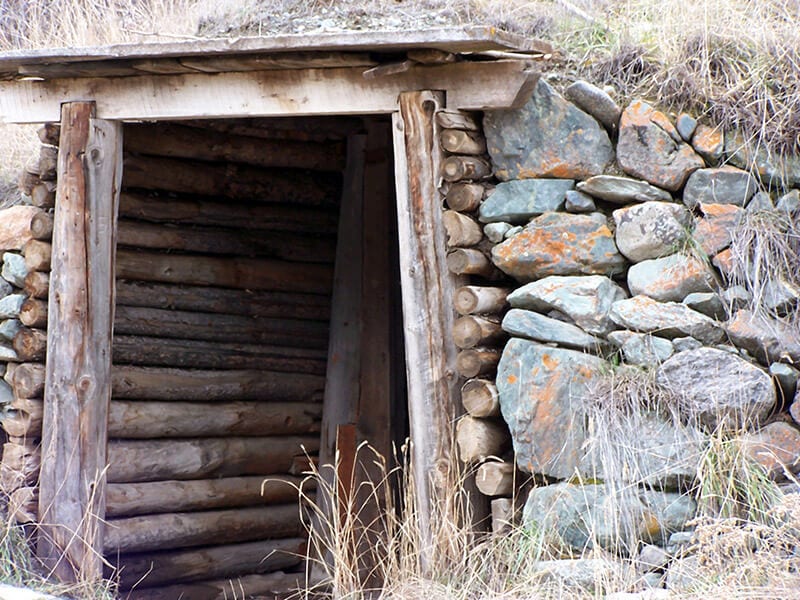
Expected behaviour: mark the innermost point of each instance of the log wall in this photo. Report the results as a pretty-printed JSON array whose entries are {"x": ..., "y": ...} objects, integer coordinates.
[{"x": 225, "y": 256}]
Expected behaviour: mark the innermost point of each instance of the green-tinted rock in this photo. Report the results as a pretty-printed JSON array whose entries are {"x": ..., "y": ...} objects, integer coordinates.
[
  {"x": 531, "y": 325},
  {"x": 517, "y": 201}
]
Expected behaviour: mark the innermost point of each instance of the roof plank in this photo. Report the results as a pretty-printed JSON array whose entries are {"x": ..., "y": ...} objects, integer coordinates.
[{"x": 342, "y": 91}]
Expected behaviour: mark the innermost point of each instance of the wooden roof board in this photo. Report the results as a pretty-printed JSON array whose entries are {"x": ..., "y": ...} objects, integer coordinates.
[{"x": 456, "y": 40}]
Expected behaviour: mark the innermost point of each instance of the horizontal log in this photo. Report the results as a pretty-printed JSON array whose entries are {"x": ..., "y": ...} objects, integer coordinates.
[
  {"x": 41, "y": 225},
  {"x": 48, "y": 163},
  {"x": 154, "y": 460},
  {"x": 151, "y": 383},
  {"x": 157, "y": 568},
  {"x": 239, "y": 273},
  {"x": 462, "y": 142},
  {"x": 461, "y": 229},
  {"x": 473, "y": 299},
  {"x": 29, "y": 179},
  {"x": 168, "y": 352},
  {"x": 240, "y": 182},
  {"x": 502, "y": 515},
  {"x": 304, "y": 465},
  {"x": 459, "y": 168},
  {"x": 182, "y": 530},
  {"x": 469, "y": 331},
  {"x": 30, "y": 344},
  {"x": 179, "y": 141},
  {"x": 480, "y": 398},
  {"x": 43, "y": 194},
  {"x": 269, "y": 217},
  {"x": 37, "y": 284},
  {"x": 478, "y": 439},
  {"x": 473, "y": 362},
  {"x": 495, "y": 478},
  {"x": 465, "y": 197},
  {"x": 274, "y": 586},
  {"x": 15, "y": 229},
  {"x": 153, "y": 497},
  {"x": 132, "y": 320},
  {"x": 468, "y": 261},
  {"x": 49, "y": 133},
  {"x": 19, "y": 466},
  {"x": 452, "y": 119},
  {"x": 37, "y": 255},
  {"x": 161, "y": 419}
]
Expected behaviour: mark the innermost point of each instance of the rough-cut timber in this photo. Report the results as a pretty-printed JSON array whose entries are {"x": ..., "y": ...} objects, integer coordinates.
[
  {"x": 30, "y": 344},
  {"x": 72, "y": 482},
  {"x": 154, "y": 460},
  {"x": 37, "y": 255},
  {"x": 469, "y": 261},
  {"x": 479, "y": 439},
  {"x": 473, "y": 362},
  {"x": 465, "y": 197},
  {"x": 472, "y": 299},
  {"x": 153, "y": 497},
  {"x": 480, "y": 399},
  {"x": 457, "y": 168},
  {"x": 272, "y": 585},
  {"x": 463, "y": 142},
  {"x": 181, "y": 530},
  {"x": 155, "y": 568},
  {"x": 496, "y": 478},
  {"x": 469, "y": 331},
  {"x": 461, "y": 229}
]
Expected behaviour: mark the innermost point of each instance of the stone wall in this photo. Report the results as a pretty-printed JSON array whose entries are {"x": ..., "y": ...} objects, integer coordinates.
[{"x": 654, "y": 265}]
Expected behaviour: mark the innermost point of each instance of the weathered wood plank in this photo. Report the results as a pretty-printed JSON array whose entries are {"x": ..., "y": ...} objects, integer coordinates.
[
  {"x": 78, "y": 381},
  {"x": 469, "y": 86}
]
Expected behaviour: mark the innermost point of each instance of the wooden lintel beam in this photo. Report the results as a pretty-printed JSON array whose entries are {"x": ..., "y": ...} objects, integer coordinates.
[
  {"x": 78, "y": 370},
  {"x": 340, "y": 91}
]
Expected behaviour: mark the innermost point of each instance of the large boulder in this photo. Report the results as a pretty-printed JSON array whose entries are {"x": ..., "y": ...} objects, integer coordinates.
[
  {"x": 519, "y": 200},
  {"x": 767, "y": 339},
  {"x": 651, "y": 229},
  {"x": 717, "y": 388},
  {"x": 580, "y": 516},
  {"x": 540, "y": 389},
  {"x": 560, "y": 244},
  {"x": 585, "y": 300},
  {"x": 531, "y": 325},
  {"x": 671, "y": 278},
  {"x": 650, "y": 148},
  {"x": 548, "y": 137},
  {"x": 723, "y": 185},
  {"x": 664, "y": 319},
  {"x": 622, "y": 190}
]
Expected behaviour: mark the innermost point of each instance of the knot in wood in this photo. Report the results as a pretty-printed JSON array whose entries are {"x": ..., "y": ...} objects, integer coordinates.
[{"x": 84, "y": 383}]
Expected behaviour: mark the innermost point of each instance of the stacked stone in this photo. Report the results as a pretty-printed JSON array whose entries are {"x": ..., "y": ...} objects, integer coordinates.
[
  {"x": 22, "y": 254},
  {"x": 482, "y": 437},
  {"x": 623, "y": 250}
]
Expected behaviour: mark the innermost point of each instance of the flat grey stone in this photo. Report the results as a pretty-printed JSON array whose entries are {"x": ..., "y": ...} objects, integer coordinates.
[
  {"x": 578, "y": 202},
  {"x": 774, "y": 170},
  {"x": 579, "y": 573},
  {"x": 779, "y": 296},
  {"x": 9, "y": 328},
  {"x": 735, "y": 298},
  {"x": 496, "y": 231},
  {"x": 14, "y": 270},
  {"x": 6, "y": 393},
  {"x": 769, "y": 340},
  {"x": 651, "y": 229},
  {"x": 664, "y": 319},
  {"x": 686, "y": 124},
  {"x": 517, "y": 201},
  {"x": 512, "y": 232},
  {"x": 708, "y": 303},
  {"x": 642, "y": 349},
  {"x": 622, "y": 190},
  {"x": 684, "y": 575},
  {"x": 717, "y": 388},
  {"x": 789, "y": 202},
  {"x": 585, "y": 300},
  {"x": 7, "y": 353},
  {"x": 11, "y": 305},
  {"x": 671, "y": 278},
  {"x": 548, "y": 137},
  {"x": 539, "y": 389},
  {"x": 651, "y": 558},
  {"x": 685, "y": 343},
  {"x": 761, "y": 200},
  {"x": 5, "y": 288},
  {"x": 534, "y": 326},
  {"x": 786, "y": 376},
  {"x": 721, "y": 185},
  {"x": 591, "y": 99}
]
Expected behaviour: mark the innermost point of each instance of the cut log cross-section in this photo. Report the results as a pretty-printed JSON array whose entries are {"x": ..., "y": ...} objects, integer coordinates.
[{"x": 78, "y": 381}]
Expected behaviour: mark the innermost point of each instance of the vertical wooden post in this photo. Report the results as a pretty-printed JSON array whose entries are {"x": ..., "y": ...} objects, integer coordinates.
[
  {"x": 427, "y": 289},
  {"x": 81, "y": 314}
]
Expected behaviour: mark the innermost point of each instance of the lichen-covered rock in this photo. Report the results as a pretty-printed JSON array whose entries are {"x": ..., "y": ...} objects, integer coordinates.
[
  {"x": 14, "y": 269},
  {"x": 671, "y": 278},
  {"x": 774, "y": 170},
  {"x": 578, "y": 202},
  {"x": 723, "y": 185},
  {"x": 533, "y": 326},
  {"x": 548, "y": 137},
  {"x": 686, "y": 125},
  {"x": 769, "y": 340},
  {"x": 708, "y": 303},
  {"x": 519, "y": 200},
  {"x": 540, "y": 389},
  {"x": 651, "y": 229},
  {"x": 714, "y": 231},
  {"x": 664, "y": 319},
  {"x": 723, "y": 262},
  {"x": 786, "y": 377},
  {"x": 560, "y": 244},
  {"x": 11, "y": 305},
  {"x": 718, "y": 388},
  {"x": 585, "y": 300},
  {"x": 776, "y": 447},
  {"x": 9, "y": 328},
  {"x": 622, "y": 190},
  {"x": 591, "y": 99},
  {"x": 709, "y": 142},
  {"x": 642, "y": 349},
  {"x": 650, "y": 148}
]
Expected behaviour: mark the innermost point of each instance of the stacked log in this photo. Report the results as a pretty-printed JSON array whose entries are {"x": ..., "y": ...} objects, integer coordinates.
[
  {"x": 225, "y": 252},
  {"x": 482, "y": 437}
]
